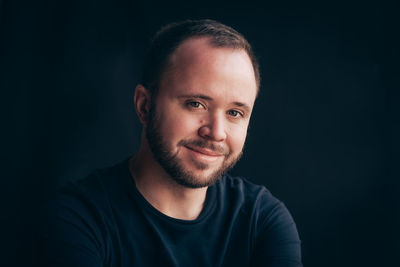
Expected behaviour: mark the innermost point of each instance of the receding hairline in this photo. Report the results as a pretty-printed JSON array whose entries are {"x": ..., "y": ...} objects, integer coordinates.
[
  {"x": 165, "y": 42},
  {"x": 209, "y": 40}
]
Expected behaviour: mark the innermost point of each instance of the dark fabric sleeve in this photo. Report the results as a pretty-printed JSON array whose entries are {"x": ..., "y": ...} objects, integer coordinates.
[
  {"x": 71, "y": 235},
  {"x": 277, "y": 241}
]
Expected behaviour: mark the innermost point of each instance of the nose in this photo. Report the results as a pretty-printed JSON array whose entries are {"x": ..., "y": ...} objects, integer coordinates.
[{"x": 214, "y": 128}]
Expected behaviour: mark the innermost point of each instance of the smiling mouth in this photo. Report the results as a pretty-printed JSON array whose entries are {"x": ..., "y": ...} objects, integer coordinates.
[{"x": 205, "y": 151}]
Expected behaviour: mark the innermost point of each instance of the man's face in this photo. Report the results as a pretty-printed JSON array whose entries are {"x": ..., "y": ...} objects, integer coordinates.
[{"x": 198, "y": 122}]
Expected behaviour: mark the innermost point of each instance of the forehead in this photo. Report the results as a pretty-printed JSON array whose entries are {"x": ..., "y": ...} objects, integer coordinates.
[
  {"x": 200, "y": 50},
  {"x": 199, "y": 66}
]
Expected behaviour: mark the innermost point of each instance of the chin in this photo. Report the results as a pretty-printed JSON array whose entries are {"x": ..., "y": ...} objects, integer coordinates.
[{"x": 197, "y": 178}]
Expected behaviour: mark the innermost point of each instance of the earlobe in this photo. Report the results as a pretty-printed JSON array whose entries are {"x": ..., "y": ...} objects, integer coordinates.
[{"x": 142, "y": 103}]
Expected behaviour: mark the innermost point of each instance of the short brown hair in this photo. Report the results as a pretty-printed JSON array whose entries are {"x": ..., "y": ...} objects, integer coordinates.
[{"x": 167, "y": 40}]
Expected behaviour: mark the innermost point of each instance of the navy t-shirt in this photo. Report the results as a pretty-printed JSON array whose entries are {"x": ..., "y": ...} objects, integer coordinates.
[{"x": 103, "y": 220}]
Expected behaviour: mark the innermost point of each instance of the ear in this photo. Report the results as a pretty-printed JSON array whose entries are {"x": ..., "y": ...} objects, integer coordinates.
[{"x": 142, "y": 101}]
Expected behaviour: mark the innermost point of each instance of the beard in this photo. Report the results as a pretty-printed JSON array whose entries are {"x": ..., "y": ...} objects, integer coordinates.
[{"x": 174, "y": 166}]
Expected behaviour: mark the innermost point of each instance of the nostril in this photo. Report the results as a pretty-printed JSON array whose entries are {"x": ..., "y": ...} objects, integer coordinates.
[
  {"x": 204, "y": 131},
  {"x": 212, "y": 133}
]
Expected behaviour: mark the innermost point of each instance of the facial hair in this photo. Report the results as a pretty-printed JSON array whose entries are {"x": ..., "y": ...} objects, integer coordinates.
[{"x": 174, "y": 167}]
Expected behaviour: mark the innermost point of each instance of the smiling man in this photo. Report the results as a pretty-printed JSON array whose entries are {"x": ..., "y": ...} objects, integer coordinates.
[{"x": 172, "y": 203}]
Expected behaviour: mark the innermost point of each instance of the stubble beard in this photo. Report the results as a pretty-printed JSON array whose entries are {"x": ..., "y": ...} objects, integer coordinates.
[{"x": 174, "y": 167}]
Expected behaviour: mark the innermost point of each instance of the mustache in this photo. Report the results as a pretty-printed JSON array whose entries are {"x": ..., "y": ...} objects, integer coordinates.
[{"x": 205, "y": 144}]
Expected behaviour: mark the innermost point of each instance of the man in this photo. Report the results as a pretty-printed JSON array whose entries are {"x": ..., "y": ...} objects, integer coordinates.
[{"x": 172, "y": 204}]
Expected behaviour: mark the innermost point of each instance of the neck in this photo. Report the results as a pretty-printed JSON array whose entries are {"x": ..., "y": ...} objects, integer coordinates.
[{"x": 161, "y": 191}]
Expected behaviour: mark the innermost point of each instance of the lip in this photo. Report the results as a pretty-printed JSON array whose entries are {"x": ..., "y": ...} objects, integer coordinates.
[{"x": 204, "y": 151}]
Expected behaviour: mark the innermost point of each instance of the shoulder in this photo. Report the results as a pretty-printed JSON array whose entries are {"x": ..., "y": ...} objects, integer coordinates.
[
  {"x": 77, "y": 229},
  {"x": 97, "y": 187},
  {"x": 247, "y": 191},
  {"x": 257, "y": 201},
  {"x": 89, "y": 201},
  {"x": 276, "y": 240},
  {"x": 78, "y": 221}
]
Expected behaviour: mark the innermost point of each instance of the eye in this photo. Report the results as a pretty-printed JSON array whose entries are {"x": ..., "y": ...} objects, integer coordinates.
[
  {"x": 234, "y": 113},
  {"x": 194, "y": 104}
]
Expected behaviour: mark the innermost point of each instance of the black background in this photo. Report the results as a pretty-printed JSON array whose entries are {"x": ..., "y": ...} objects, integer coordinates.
[{"x": 323, "y": 136}]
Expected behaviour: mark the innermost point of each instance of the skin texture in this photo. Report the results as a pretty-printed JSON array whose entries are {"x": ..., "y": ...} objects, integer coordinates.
[{"x": 196, "y": 128}]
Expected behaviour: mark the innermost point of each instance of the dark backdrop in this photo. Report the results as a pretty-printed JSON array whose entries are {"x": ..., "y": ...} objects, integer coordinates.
[{"x": 323, "y": 136}]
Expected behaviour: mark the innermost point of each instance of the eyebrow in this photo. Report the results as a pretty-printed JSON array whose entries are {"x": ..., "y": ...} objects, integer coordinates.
[
  {"x": 195, "y": 96},
  {"x": 205, "y": 97}
]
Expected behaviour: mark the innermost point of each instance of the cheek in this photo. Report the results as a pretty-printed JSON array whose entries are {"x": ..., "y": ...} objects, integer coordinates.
[
  {"x": 237, "y": 138},
  {"x": 178, "y": 127}
]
